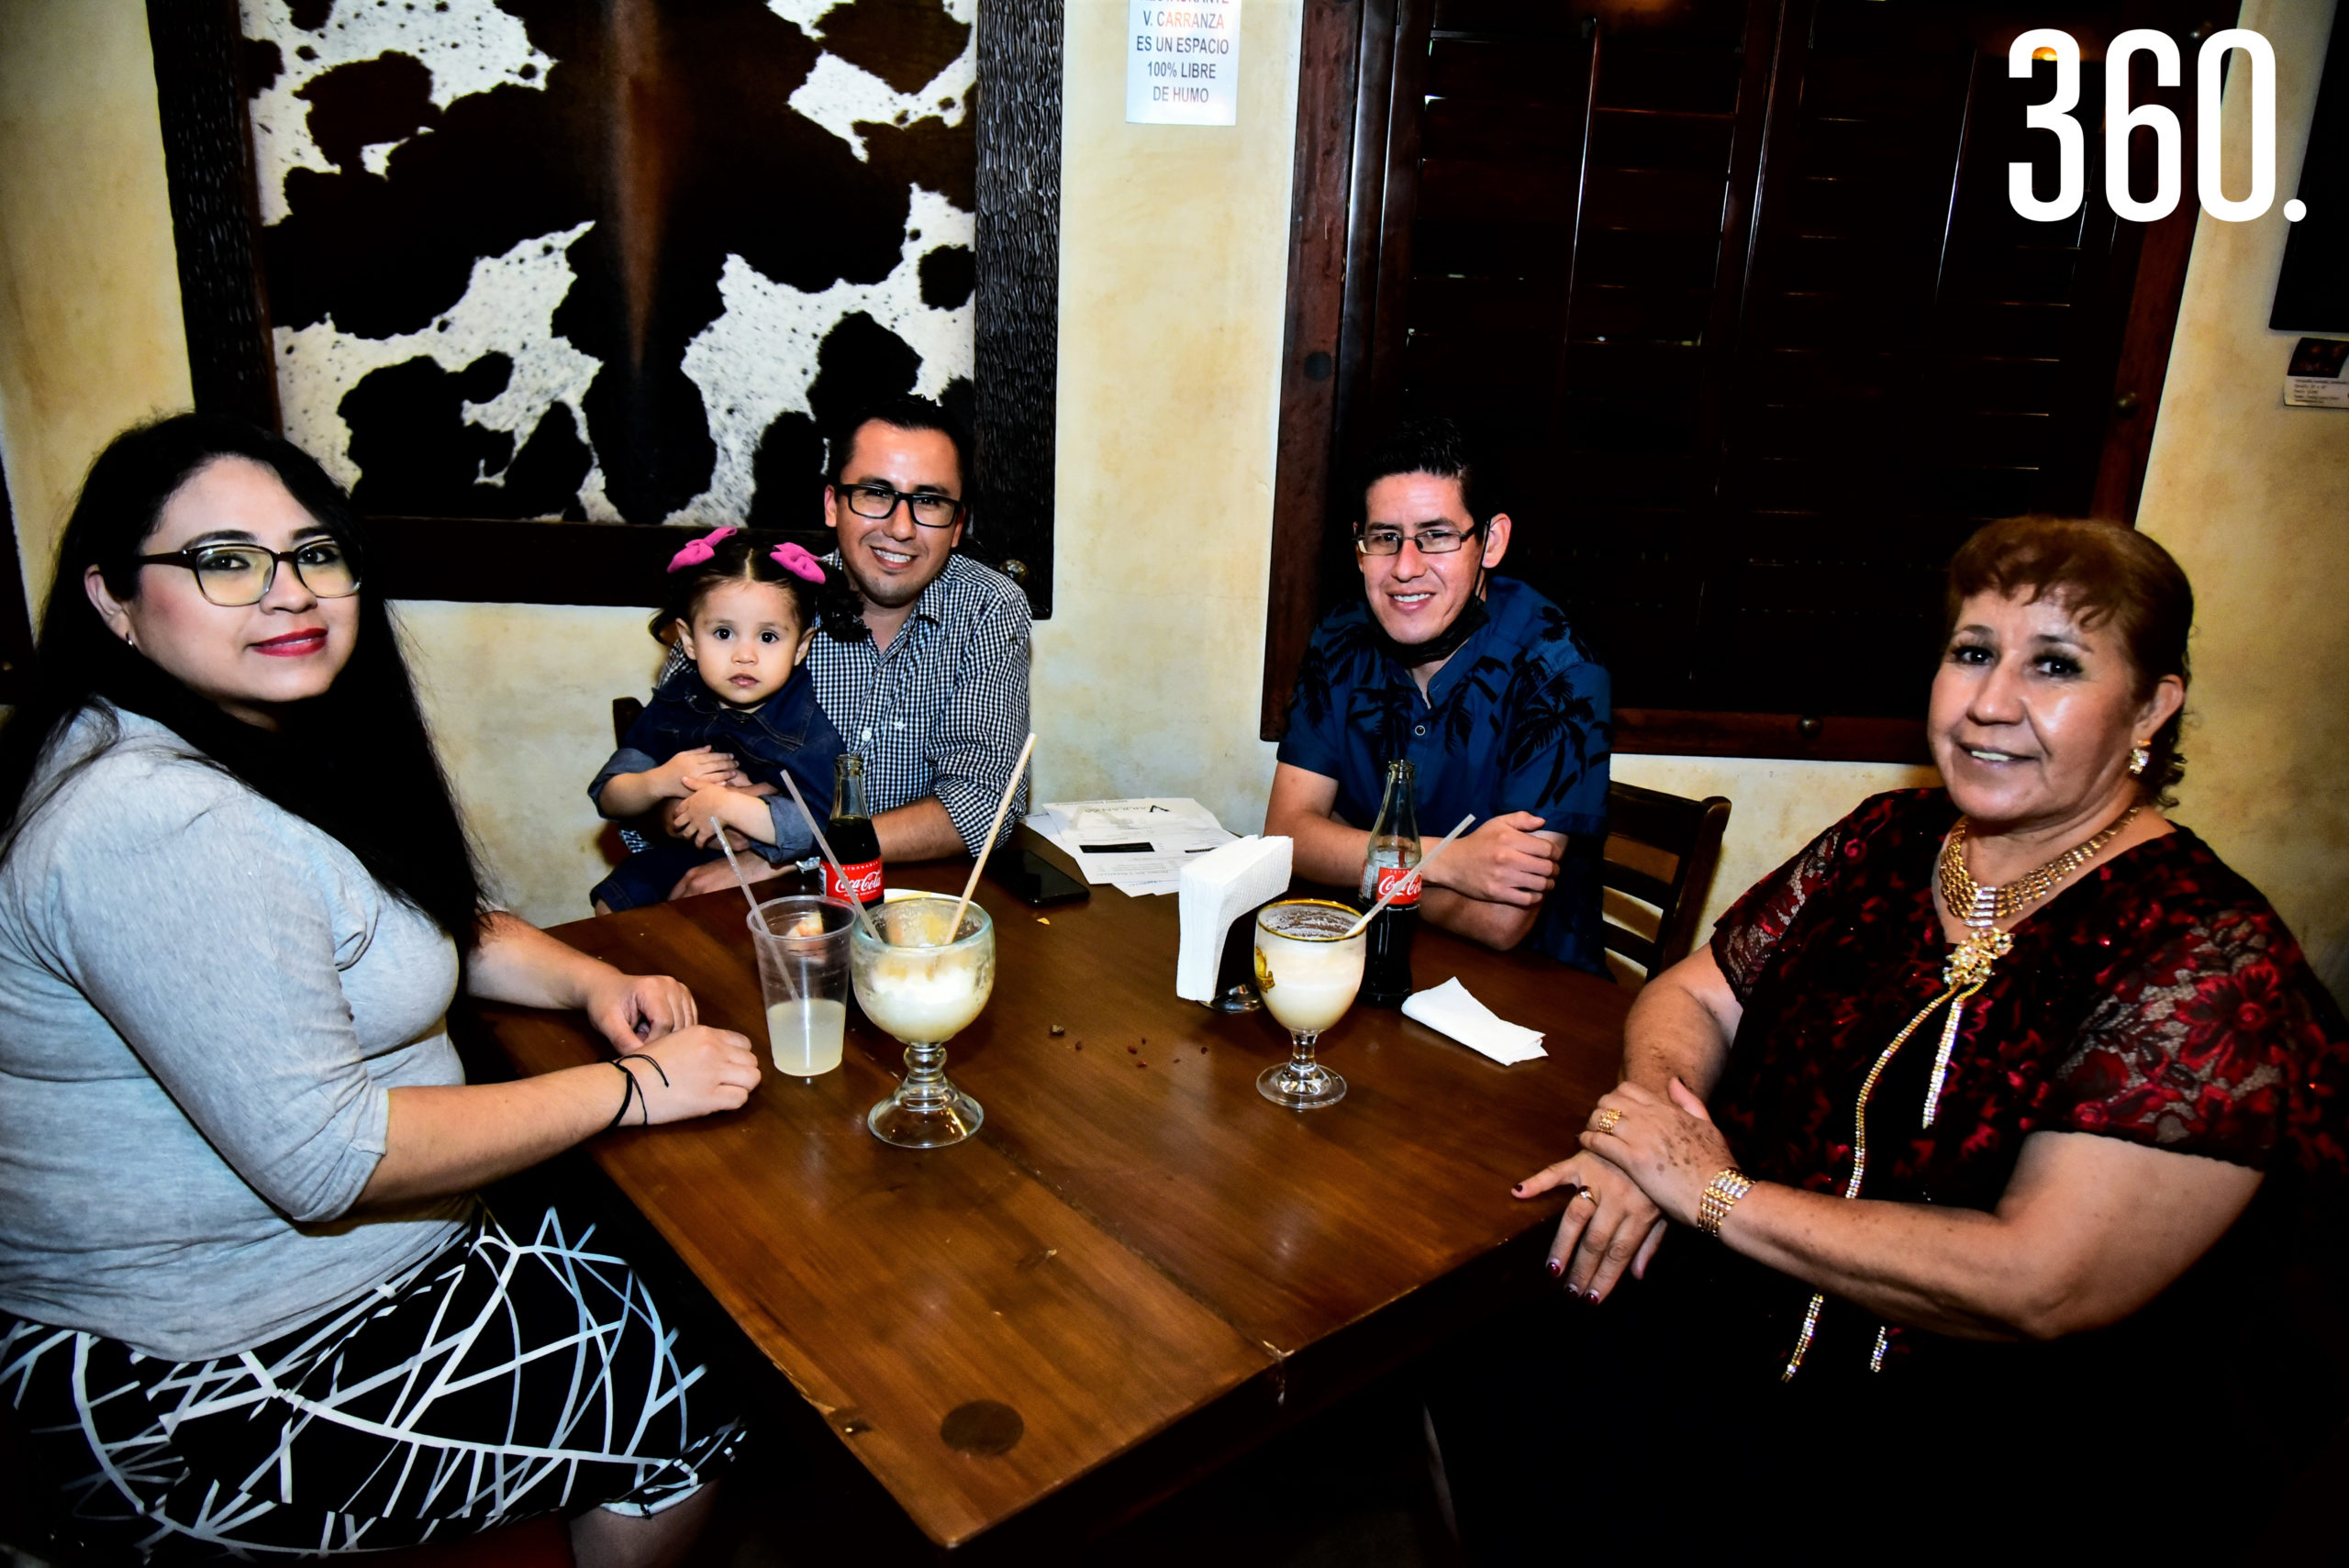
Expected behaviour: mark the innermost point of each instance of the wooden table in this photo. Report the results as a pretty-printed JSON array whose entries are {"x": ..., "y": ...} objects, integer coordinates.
[{"x": 1136, "y": 1246}]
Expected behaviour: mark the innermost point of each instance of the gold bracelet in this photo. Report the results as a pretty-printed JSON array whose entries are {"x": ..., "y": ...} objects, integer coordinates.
[{"x": 1721, "y": 1195}]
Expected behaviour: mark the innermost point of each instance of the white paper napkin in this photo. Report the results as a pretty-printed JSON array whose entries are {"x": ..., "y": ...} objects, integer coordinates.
[
  {"x": 1449, "y": 1009},
  {"x": 1216, "y": 888}
]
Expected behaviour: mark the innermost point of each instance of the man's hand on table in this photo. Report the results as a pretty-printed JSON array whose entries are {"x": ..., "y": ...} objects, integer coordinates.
[
  {"x": 1504, "y": 861},
  {"x": 711, "y": 875}
]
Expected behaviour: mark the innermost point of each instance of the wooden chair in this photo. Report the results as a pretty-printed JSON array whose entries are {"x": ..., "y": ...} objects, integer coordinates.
[
  {"x": 1662, "y": 850},
  {"x": 626, "y": 711}
]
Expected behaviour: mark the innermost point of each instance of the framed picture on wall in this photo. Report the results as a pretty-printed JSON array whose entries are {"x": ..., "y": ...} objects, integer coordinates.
[{"x": 544, "y": 282}]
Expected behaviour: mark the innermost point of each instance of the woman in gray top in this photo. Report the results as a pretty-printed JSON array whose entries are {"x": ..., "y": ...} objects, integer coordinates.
[{"x": 247, "y": 1300}]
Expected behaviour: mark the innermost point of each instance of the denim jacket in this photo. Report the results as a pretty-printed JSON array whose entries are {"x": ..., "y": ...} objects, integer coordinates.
[{"x": 788, "y": 732}]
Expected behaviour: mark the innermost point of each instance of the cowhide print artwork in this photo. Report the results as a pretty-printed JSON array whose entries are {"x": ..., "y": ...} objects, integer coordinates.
[{"x": 610, "y": 259}]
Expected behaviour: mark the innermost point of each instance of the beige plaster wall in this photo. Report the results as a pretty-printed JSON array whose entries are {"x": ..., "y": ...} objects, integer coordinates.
[
  {"x": 1776, "y": 806},
  {"x": 520, "y": 699},
  {"x": 1174, "y": 275},
  {"x": 90, "y": 337},
  {"x": 2252, "y": 497}
]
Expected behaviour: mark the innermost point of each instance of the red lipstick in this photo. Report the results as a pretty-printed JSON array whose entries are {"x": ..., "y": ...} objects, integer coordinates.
[{"x": 293, "y": 644}]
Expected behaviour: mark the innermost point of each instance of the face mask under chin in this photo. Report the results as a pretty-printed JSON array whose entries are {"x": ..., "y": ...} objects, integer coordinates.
[{"x": 1442, "y": 645}]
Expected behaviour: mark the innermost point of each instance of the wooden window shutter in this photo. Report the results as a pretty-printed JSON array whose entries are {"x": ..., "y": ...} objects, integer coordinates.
[{"x": 1731, "y": 293}]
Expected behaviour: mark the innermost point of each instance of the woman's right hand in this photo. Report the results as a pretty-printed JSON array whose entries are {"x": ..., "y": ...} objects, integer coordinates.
[
  {"x": 704, "y": 1068},
  {"x": 1609, "y": 1226}
]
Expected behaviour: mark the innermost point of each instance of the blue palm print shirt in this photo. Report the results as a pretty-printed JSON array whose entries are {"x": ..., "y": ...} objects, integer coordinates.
[{"x": 1516, "y": 720}]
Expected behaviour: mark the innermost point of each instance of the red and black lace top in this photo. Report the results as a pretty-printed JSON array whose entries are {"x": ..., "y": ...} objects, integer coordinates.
[{"x": 2157, "y": 997}]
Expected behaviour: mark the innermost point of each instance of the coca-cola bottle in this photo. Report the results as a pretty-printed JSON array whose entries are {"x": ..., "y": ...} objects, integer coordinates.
[
  {"x": 1392, "y": 857},
  {"x": 853, "y": 840}
]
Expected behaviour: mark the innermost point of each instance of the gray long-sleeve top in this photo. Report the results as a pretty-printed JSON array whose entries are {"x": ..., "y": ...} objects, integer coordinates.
[{"x": 205, "y": 1003}]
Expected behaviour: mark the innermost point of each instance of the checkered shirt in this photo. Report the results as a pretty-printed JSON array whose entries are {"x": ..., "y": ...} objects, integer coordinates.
[{"x": 943, "y": 709}]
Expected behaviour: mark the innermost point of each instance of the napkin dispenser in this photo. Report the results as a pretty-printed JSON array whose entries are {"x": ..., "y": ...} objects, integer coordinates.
[{"x": 1216, "y": 889}]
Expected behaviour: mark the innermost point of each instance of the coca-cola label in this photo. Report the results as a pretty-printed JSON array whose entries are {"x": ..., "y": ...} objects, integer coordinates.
[
  {"x": 862, "y": 884},
  {"x": 1406, "y": 877}
]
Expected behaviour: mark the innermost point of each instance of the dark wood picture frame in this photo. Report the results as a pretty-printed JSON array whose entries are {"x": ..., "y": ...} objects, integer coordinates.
[
  {"x": 208, "y": 162},
  {"x": 1350, "y": 206},
  {"x": 15, "y": 618}
]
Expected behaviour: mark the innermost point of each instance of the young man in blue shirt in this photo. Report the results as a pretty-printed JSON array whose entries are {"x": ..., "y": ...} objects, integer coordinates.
[{"x": 1476, "y": 679}]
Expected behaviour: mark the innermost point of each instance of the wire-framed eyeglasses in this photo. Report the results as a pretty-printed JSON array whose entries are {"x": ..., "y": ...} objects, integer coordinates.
[
  {"x": 235, "y": 574},
  {"x": 878, "y": 500},
  {"x": 1437, "y": 540}
]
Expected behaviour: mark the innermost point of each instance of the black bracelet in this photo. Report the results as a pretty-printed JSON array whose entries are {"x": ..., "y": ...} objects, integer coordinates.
[
  {"x": 630, "y": 1093},
  {"x": 640, "y": 1056},
  {"x": 647, "y": 1103}
]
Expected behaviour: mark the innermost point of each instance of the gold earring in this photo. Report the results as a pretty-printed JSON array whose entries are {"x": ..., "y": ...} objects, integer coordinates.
[{"x": 2139, "y": 759}]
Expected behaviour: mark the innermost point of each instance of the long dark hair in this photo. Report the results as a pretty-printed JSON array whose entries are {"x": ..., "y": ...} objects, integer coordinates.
[
  {"x": 740, "y": 558},
  {"x": 357, "y": 762}
]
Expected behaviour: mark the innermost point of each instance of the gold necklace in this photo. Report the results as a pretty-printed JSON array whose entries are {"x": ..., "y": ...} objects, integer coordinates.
[
  {"x": 1982, "y": 907},
  {"x": 1963, "y": 974}
]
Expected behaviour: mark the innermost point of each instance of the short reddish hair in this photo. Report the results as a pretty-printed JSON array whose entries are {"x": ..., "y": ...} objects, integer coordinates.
[{"x": 2101, "y": 572}]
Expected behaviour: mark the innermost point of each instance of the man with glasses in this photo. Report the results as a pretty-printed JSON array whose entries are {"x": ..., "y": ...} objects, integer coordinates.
[
  {"x": 1479, "y": 683},
  {"x": 931, "y": 688}
]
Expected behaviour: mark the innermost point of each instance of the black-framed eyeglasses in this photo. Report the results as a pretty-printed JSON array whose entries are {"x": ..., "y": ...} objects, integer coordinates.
[
  {"x": 878, "y": 500},
  {"x": 1437, "y": 540},
  {"x": 234, "y": 574}
]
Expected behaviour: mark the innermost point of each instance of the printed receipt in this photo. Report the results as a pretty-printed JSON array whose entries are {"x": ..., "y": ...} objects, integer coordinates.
[{"x": 1136, "y": 846}]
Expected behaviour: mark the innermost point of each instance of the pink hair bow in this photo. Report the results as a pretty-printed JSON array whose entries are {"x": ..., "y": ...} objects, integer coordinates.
[
  {"x": 701, "y": 549},
  {"x": 797, "y": 561}
]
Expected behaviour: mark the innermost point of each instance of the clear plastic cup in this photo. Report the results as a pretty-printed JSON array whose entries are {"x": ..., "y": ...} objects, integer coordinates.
[{"x": 802, "y": 946}]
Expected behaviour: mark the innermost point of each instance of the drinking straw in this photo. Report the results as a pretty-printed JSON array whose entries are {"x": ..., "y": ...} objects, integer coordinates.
[
  {"x": 790, "y": 991},
  {"x": 994, "y": 827},
  {"x": 825, "y": 844},
  {"x": 743, "y": 882},
  {"x": 1420, "y": 869}
]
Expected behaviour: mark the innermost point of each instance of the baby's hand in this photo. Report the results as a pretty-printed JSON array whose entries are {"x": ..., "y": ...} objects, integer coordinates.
[
  {"x": 698, "y": 808},
  {"x": 680, "y": 820},
  {"x": 697, "y": 769}
]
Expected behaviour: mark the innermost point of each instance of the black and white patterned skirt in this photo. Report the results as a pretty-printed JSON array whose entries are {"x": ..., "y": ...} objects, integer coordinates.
[{"x": 499, "y": 1379}]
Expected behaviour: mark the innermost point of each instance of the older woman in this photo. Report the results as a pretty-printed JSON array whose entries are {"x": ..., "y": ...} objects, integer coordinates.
[
  {"x": 248, "y": 1302},
  {"x": 1981, "y": 1073}
]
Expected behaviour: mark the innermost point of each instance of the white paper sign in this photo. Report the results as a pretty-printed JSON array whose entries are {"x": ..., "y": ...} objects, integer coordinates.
[
  {"x": 1183, "y": 62},
  {"x": 2318, "y": 376}
]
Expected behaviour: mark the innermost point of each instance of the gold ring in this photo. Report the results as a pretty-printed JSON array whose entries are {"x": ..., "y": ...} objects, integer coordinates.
[
  {"x": 1608, "y": 1119},
  {"x": 1586, "y": 1192}
]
